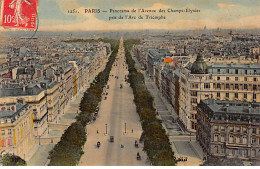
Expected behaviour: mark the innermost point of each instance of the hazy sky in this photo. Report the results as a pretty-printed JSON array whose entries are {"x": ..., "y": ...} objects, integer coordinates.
[{"x": 226, "y": 14}]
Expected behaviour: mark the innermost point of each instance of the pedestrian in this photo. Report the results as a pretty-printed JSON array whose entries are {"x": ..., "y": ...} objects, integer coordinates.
[
  {"x": 97, "y": 131},
  {"x": 132, "y": 130}
]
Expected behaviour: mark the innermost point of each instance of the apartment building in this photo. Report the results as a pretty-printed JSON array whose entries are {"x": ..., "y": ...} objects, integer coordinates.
[
  {"x": 229, "y": 128},
  {"x": 16, "y": 126}
]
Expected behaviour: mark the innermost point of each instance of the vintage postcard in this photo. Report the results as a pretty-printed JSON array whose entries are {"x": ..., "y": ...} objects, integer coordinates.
[{"x": 129, "y": 83}]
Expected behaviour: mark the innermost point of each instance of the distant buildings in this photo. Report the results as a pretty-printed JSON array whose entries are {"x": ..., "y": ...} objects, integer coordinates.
[
  {"x": 227, "y": 68},
  {"x": 229, "y": 128},
  {"x": 46, "y": 77}
]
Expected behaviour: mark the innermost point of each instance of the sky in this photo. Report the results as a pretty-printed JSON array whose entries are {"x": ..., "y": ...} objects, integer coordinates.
[{"x": 225, "y": 14}]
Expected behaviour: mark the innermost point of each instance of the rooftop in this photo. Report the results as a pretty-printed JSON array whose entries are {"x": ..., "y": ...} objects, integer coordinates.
[
  {"x": 9, "y": 113},
  {"x": 234, "y": 107}
]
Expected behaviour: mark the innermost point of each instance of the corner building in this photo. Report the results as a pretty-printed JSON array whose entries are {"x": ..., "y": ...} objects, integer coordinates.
[
  {"x": 231, "y": 82},
  {"x": 229, "y": 128}
]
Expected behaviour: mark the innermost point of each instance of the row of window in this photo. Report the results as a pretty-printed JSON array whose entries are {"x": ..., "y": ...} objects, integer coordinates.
[
  {"x": 236, "y": 78},
  {"x": 245, "y": 95},
  {"x": 7, "y": 142},
  {"x": 9, "y": 132},
  {"x": 236, "y": 129},
  {"x": 235, "y": 139},
  {"x": 227, "y": 86}
]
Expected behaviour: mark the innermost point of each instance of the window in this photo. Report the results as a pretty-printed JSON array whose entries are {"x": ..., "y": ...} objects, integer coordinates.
[
  {"x": 253, "y": 152},
  {"x": 3, "y": 143},
  {"x": 193, "y": 100},
  {"x": 245, "y": 96},
  {"x": 253, "y": 140},
  {"x": 241, "y": 140},
  {"x": 238, "y": 129},
  {"x": 254, "y": 96},
  {"x": 244, "y": 140},
  {"x": 227, "y": 78},
  {"x": 218, "y": 86},
  {"x": 254, "y": 131},
  {"x": 227, "y": 95},
  {"x": 193, "y": 93},
  {"x": 254, "y": 87},
  {"x": 231, "y": 129},
  {"x": 218, "y": 78},
  {"x": 245, "y": 71},
  {"x": 231, "y": 139},
  {"x": 236, "y": 71},
  {"x": 218, "y": 94},
  {"x": 218, "y": 70},
  {"x": 207, "y": 85},
  {"x": 9, "y": 132},
  {"x": 245, "y": 153},
  {"x": 236, "y": 78},
  {"x": 215, "y": 137},
  {"x": 222, "y": 138},
  {"x": 236, "y": 86},
  {"x": 227, "y": 86},
  {"x": 245, "y": 78},
  {"x": 3, "y": 132},
  {"x": 254, "y": 79},
  {"x": 236, "y": 95},
  {"x": 195, "y": 86},
  {"x": 9, "y": 142},
  {"x": 245, "y": 87},
  {"x": 227, "y": 70}
]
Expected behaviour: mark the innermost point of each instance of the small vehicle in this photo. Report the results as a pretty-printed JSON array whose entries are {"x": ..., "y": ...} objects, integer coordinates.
[
  {"x": 121, "y": 86},
  {"x": 98, "y": 144},
  {"x": 138, "y": 157},
  {"x": 136, "y": 144},
  {"x": 111, "y": 139}
]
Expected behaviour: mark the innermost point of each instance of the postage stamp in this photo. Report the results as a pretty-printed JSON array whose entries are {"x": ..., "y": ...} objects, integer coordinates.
[{"x": 20, "y": 14}]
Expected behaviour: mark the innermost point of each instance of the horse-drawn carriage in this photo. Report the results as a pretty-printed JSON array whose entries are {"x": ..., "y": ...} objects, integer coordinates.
[
  {"x": 98, "y": 144},
  {"x": 136, "y": 144},
  {"x": 138, "y": 157}
]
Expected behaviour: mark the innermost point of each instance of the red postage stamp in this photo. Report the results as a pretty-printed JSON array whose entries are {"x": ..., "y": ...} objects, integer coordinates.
[{"x": 21, "y": 14}]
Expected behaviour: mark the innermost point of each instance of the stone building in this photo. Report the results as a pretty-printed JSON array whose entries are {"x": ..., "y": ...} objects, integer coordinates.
[
  {"x": 218, "y": 81},
  {"x": 16, "y": 126},
  {"x": 229, "y": 128}
]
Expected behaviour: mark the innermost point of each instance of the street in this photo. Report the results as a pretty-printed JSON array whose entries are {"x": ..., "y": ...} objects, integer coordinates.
[{"x": 117, "y": 117}]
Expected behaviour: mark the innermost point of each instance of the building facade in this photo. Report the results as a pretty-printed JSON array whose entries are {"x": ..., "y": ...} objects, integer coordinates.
[
  {"x": 16, "y": 126},
  {"x": 229, "y": 128}
]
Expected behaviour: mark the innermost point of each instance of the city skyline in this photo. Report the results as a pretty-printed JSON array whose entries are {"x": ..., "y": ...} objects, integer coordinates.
[{"x": 54, "y": 16}]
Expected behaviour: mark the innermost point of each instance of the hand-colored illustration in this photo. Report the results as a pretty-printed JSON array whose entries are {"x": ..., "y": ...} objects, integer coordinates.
[{"x": 130, "y": 83}]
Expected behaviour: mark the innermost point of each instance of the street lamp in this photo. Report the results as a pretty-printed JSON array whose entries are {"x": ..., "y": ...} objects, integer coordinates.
[
  {"x": 106, "y": 128},
  {"x": 190, "y": 136},
  {"x": 125, "y": 127}
]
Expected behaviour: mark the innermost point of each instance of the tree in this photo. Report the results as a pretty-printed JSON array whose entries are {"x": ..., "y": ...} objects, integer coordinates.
[
  {"x": 75, "y": 134},
  {"x": 13, "y": 160}
]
